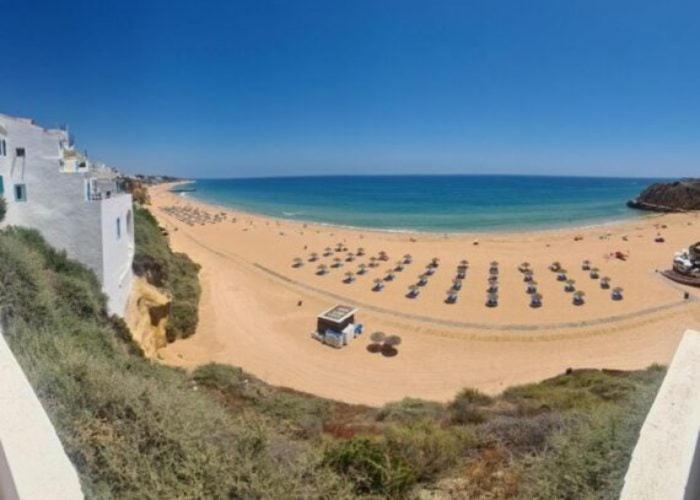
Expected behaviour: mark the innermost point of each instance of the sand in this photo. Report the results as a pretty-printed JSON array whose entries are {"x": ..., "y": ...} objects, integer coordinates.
[{"x": 250, "y": 314}]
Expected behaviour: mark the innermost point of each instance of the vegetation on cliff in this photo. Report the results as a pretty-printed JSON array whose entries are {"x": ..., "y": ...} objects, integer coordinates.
[
  {"x": 3, "y": 208},
  {"x": 141, "y": 430},
  {"x": 171, "y": 271},
  {"x": 675, "y": 196}
]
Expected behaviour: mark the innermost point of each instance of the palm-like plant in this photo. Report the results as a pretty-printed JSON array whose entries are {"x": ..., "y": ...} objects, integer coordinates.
[
  {"x": 570, "y": 285},
  {"x": 617, "y": 293},
  {"x": 578, "y": 297}
]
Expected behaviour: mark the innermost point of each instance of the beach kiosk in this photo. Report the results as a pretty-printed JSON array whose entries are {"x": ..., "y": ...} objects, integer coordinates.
[{"x": 336, "y": 326}]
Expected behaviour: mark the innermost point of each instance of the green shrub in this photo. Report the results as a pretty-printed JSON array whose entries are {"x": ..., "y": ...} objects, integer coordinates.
[
  {"x": 467, "y": 407},
  {"x": 369, "y": 466},
  {"x": 163, "y": 268},
  {"x": 410, "y": 410},
  {"x": 3, "y": 208},
  {"x": 426, "y": 448}
]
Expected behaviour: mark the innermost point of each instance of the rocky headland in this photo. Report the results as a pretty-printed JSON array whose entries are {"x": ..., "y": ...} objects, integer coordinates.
[{"x": 678, "y": 196}]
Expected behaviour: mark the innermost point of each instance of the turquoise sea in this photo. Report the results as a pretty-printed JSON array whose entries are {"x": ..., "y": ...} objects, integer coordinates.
[{"x": 440, "y": 203}]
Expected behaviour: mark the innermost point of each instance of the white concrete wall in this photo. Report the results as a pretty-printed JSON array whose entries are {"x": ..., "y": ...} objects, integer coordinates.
[
  {"x": 33, "y": 464},
  {"x": 665, "y": 463},
  {"x": 118, "y": 250},
  {"x": 58, "y": 207}
]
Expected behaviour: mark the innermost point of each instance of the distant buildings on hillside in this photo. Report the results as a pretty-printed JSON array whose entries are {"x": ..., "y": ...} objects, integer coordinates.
[{"x": 77, "y": 204}]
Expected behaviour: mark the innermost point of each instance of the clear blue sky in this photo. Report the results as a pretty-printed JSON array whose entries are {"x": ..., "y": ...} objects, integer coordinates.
[{"x": 222, "y": 89}]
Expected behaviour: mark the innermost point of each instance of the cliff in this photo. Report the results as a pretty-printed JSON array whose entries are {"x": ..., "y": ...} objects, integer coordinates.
[{"x": 678, "y": 196}]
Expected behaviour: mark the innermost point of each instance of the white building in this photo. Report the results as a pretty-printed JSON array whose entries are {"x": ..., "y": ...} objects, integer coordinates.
[{"x": 75, "y": 204}]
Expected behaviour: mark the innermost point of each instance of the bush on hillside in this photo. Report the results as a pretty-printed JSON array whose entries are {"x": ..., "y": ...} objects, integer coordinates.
[
  {"x": 163, "y": 268},
  {"x": 3, "y": 208}
]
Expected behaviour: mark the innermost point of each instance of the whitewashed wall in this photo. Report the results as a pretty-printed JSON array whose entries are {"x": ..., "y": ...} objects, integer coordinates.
[{"x": 57, "y": 206}]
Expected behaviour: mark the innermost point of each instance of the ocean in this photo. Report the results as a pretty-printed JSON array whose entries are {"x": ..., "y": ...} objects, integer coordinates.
[{"x": 435, "y": 203}]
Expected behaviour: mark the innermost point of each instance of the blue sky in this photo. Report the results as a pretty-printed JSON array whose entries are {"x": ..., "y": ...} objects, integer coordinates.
[{"x": 224, "y": 89}]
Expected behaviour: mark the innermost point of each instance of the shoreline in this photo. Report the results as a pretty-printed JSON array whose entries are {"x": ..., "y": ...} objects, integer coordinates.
[
  {"x": 642, "y": 215},
  {"x": 250, "y": 317}
]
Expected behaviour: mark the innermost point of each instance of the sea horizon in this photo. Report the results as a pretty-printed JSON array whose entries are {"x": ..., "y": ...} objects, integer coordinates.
[{"x": 435, "y": 203}]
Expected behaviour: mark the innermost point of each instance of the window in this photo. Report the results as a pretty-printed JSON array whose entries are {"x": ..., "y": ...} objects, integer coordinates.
[
  {"x": 3, "y": 147},
  {"x": 20, "y": 152},
  {"x": 20, "y": 192},
  {"x": 2, "y": 186},
  {"x": 119, "y": 227}
]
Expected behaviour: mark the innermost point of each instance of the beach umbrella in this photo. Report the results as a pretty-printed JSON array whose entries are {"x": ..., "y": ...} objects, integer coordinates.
[
  {"x": 586, "y": 265},
  {"x": 536, "y": 300},
  {"x": 524, "y": 267},
  {"x": 360, "y": 252},
  {"x": 407, "y": 258},
  {"x": 594, "y": 273},
  {"x": 383, "y": 255},
  {"x": 377, "y": 337},
  {"x": 456, "y": 284},
  {"x": 349, "y": 277},
  {"x": 362, "y": 269},
  {"x": 399, "y": 266},
  {"x": 337, "y": 262},
  {"x": 492, "y": 299},
  {"x": 392, "y": 340},
  {"x": 298, "y": 262},
  {"x": 555, "y": 266},
  {"x": 493, "y": 279},
  {"x": 422, "y": 279},
  {"x": 322, "y": 269},
  {"x": 578, "y": 297},
  {"x": 413, "y": 291},
  {"x": 570, "y": 285},
  {"x": 389, "y": 275},
  {"x": 531, "y": 287},
  {"x": 313, "y": 257},
  {"x": 435, "y": 262},
  {"x": 327, "y": 251},
  {"x": 562, "y": 275},
  {"x": 378, "y": 284},
  {"x": 528, "y": 276},
  {"x": 617, "y": 293},
  {"x": 373, "y": 261},
  {"x": 349, "y": 257},
  {"x": 464, "y": 262},
  {"x": 605, "y": 282}
]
